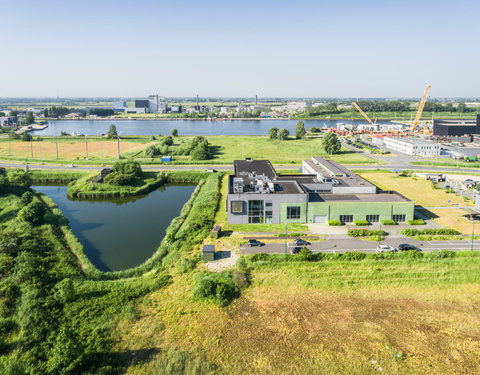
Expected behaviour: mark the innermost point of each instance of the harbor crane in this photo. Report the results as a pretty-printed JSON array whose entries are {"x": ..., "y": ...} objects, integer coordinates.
[
  {"x": 421, "y": 105},
  {"x": 364, "y": 114}
]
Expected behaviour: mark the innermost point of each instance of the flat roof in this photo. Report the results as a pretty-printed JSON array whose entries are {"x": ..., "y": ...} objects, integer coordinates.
[
  {"x": 413, "y": 141},
  {"x": 351, "y": 179},
  {"x": 208, "y": 248},
  {"x": 258, "y": 167},
  {"x": 331, "y": 167},
  {"x": 389, "y": 196}
]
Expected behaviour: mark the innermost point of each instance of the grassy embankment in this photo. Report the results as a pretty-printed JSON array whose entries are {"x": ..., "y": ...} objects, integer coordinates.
[
  {"x": 447, "y": 163},
  {"x": 402, "y": 314},
  {"x": 429, "y": 201},
  {"x": 224, "y": 150},
  {"x": 387, "y": 116}
]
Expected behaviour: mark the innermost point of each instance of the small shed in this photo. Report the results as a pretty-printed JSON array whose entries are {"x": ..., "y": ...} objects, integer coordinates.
[
  {"x": 166, "y": 158},
  {"x": 215, "y": 232},
  {"x": 208, "y": 253}
]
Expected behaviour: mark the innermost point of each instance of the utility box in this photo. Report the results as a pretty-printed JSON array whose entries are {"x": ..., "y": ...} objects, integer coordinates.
[
  {"x": 166, "y": 158},
  {"x": 215, "y": 232},
  {"x": 208, "y": 253}
]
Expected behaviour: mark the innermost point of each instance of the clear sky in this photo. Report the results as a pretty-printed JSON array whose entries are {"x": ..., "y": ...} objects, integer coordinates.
[{"x": 279, "y": 48}]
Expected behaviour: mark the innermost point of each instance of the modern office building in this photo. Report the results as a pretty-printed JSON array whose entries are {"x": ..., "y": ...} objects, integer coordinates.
[
  {"x": 412, "y": 146},
  {"x": 325, "y": 191},
  {"x": 445, "y": 128}
]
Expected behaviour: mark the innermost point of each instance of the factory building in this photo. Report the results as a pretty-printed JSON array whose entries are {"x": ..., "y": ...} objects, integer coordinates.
[
  {"x": 324, "y": 191},
  {"x": 412, "y": 146},
  {"x": 448, "y": 128},
  {"x": 154, "y": 104}
]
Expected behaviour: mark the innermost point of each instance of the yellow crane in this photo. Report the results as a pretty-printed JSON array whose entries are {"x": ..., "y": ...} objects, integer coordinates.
[
  {"x": 413, "y": 125},
  {"x": 364, "y": 114}
]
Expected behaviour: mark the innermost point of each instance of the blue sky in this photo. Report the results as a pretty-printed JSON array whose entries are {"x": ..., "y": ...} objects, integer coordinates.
[{"x": 225, "y": 48}]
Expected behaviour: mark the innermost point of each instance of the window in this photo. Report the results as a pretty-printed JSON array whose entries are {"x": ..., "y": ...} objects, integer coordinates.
[
  {"x": 293, "y": 212},
  {"x": 373, "y": 218},
  {"x": 346, "y": 218},
  {"x": 237, "y": 207},
  {"x": 255, "y": 212},
  {"x": 399, "y": 218}
]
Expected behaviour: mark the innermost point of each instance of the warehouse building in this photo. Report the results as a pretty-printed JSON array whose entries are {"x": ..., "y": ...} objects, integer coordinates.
[
  {"x": 325, "y": 191},
  {"x": 448, "y": 128},
  {"x": 412, "y": 146}
]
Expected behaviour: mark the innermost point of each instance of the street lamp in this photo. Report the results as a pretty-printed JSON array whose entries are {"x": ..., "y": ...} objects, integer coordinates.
[
  {"x": 473, "y": 233},
  {"x": 286, "y": 233}
]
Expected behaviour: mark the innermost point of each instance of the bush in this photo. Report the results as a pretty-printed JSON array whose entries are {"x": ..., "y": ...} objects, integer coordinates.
[
  {"x": 272, "y": 133},
  {"x": 174, "y": 133},
  {"x": 152, "y": 151},
  {"x": 258, "y": 257},
  {"x": 438, "y": 231},
  {"x": 364, "y": 232},
  {"x": 130, "y": 167},
  {"x": 414, "y": 254},
  {"x": 26, "y": 198},
  {"x": 119, "y": 179},
  {"x": 353, "y": 255},
  {"x": 217, "y": 287},
  {"x": 283, "y": 134},
  {"x": 167, "y": 141},
  {"x": 334, "y": 222},
  {"x": 32, "y": 213},
  {"x": 388, "y": 222},
  {"x": 26, "y": 137},
  {"x": 442, "y": 254},
  {"x": 361, "y": 222},
  {"x": 305, "y": 254},
  {"x": 416, "y": 222},
  {"x": 18, "y": 177}
]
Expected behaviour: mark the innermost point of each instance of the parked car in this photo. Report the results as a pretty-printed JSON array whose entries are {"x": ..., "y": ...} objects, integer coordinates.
[
  {"x": 384, "y": 248},
  {"x": 406, "y": 246},
  {"x": 296, "y": 250},
  {"x": 255, "y": 243},
  {"x": 301, "y": 242}
]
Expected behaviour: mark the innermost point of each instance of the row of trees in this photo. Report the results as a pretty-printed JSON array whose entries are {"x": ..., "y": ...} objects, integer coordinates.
[{"x": 275, "y": 133}]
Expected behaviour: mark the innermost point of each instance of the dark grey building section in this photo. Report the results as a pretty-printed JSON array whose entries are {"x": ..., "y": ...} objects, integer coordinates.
[
  {"x": 141, "y": 103},
  {"x": 446, "y": 128}
]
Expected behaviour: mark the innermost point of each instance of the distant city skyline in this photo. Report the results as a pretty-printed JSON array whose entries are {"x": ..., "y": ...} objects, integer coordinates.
[{"x": 309, "y": 49}]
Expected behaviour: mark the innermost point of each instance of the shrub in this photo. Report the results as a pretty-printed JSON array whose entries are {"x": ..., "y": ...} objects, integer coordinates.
[
  {"x": 259, "y": 257},
  {"x": 130, "y": 167},
  {"x": 26, "y": 198},
  {"x": 272, "y": 133},
  {"x": 217, "y": 287},
  {"x": 414, "y": 254},
  {"x": 283, "y": 134},
  {"x": 18, "y": 177},
  {"x": 167, "y": 141},
  {"x": 305, "y": 254},
  {"x": 334, "y": 222},
  {"x": 119, "y": 179},
  {"x": 416, "y": 222},
  {"x": 438, "y": 231},
  {"x": 361, "y": 222},
  {"x": 152, "y": 150},
  {"x": 353, "y": 255},
  {"x": 442, "y": 254},
  {"x": 32, "y": 213},
  {"x": 174, "y": 133},
  {"x": 26, "y": 137},
  {"x": 388, "y": 222},
  {"x": 364, "y": 232}
]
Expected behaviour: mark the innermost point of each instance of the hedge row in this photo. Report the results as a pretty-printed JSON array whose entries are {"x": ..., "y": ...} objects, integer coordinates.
[
  {"x": 440, "y": 231},
  {"x": 334, "y": 222},
  {"x": 416, "y": 222},
  {"x": 365, "y": 232}
]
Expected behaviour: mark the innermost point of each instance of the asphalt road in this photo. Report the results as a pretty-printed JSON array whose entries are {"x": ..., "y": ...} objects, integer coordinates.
[{"x": 344, "y": 245}]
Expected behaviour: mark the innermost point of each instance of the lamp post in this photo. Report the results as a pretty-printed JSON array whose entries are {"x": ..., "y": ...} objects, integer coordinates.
[
  {"x": 286, "y": 233},
  {"x": 473, "y": 234},
  {"x": 86, "y": 146},
  {"x": 9, "y": 149},
  {"x": 379, "y": 234},
  {"x": 56, "y": 146},
  {"x": 118, "y": 146}
]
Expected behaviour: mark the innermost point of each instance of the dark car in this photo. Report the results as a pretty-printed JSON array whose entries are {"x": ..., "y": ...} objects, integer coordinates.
[
  {"x": 300, "y": 242},
  {"x": 406, "y": 246},
  {"x": 255, "y": 243},
  {"x": 296, "y": 250}
]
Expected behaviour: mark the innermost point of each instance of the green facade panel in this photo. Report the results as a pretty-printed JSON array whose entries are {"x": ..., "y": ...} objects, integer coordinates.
[{"x": 283, "y": 213}]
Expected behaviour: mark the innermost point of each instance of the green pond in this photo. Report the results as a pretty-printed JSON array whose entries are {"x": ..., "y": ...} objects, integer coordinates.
[{"x": 123, "y": 232}]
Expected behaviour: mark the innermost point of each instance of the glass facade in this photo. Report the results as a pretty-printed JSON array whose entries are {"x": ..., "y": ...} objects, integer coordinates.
[
  {"x": 346, "y": 218},
  {"x": 256, "y": 212},
  {"x": 373, "y": 218},
  {"x": 399, "y": 218},
  {"x": 293, "y": 212}
]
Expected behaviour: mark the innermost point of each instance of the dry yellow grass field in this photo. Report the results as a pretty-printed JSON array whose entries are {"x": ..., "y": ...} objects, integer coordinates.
[{"x": 68, "y": 150}]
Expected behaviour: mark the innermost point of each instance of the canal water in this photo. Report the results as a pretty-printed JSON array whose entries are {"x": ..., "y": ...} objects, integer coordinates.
[
  {"x": 124, "y": 232},
  {"x": 185, "y": 127}
]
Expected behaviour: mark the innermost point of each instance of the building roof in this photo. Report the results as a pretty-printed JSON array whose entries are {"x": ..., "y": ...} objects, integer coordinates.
[
  {"x": 208, "y": 248},
  {"x": 349, "y": 178},
  {"x": 331, "y": 167},
  {"x": 412, "y": 141},
  {"x": 385, "y": 196},
  {"x": 258, "y": 167}
]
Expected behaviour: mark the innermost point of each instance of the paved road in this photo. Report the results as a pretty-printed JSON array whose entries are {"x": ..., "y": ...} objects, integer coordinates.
[{"x": 343, "y": 245}]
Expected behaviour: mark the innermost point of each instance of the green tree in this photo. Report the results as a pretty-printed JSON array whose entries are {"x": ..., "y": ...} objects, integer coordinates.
[
  {"x": 32, "y": 213},
  {"x": 26, "y": 137},
  {"x": 112, "y": 132},
  {"x": 200, "y": 152},
  {"x": 174, "y": 133},
  {"x": 300, "y": 130},
  {"x": 128, "y": 167},
  {"x": 283, "y": 134},
  {"x": 29, "y": 119},
  {"x": 461, "y": 108},
  {"x": 331, "y": 144},
  {"x": 272, "y": 133},
  {"x": 45, "y": 112},
  {"x": 2, "y": 114},
  {"x": 14, "y": 113},
  {"x": 167, "y": 141}
]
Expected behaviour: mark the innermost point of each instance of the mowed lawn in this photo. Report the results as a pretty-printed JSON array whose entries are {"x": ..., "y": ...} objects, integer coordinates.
[
  {"x": 368, "y": 317},
  {"x": 416, "y": 188},
  {"x": 292, "y": 151}
]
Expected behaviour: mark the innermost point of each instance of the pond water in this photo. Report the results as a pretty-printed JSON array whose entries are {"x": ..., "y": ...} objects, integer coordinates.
[
  {"x": 123, "y": 232},
  {"x": 185, "y": 127}
]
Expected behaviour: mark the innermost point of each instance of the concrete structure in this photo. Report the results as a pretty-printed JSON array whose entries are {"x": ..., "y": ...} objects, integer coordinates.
[
  {"x": 325, "y": 191},
  {"x": 154, "y": 104},
  {"x": 7, "y": 121},
  {"x": 412, "y": 146},
  {"x": 119, "y": 106},
  {"x": 135, "y": 110},
  {"x": 444, "y": 128}
]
